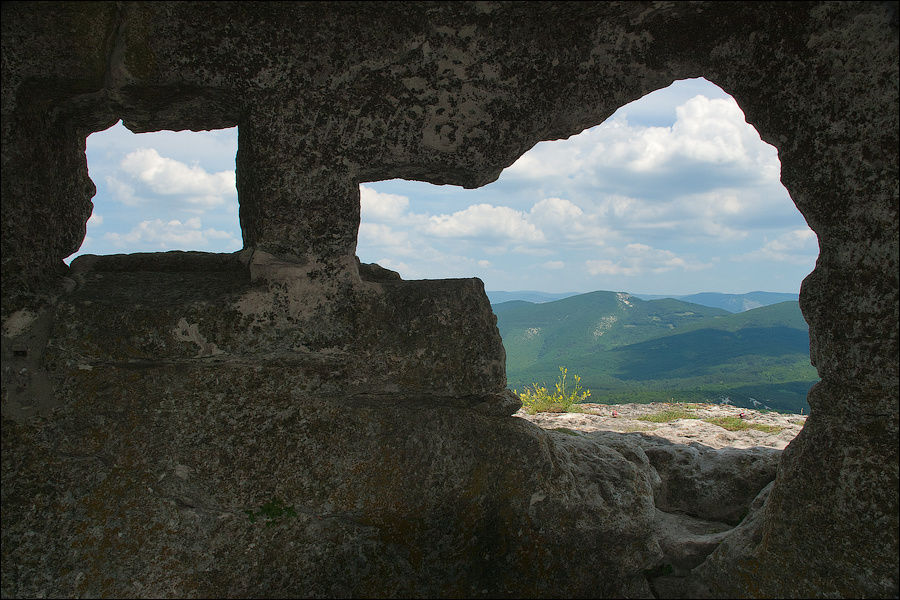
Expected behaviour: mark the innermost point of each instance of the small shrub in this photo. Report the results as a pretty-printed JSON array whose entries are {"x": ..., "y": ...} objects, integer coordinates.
[
  {"x": 766, "y": 428},
  {"x": 738, "y": 424},
  {"x": 538, "y": 399},
  {"x": 729, "y": 423},
  {"x": 669, "y": 415}
]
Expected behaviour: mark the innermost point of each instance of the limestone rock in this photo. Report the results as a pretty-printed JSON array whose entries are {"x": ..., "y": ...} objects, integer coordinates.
[
  {"x": 710, "y": 484},
  {"x": 152, "y": 404}
]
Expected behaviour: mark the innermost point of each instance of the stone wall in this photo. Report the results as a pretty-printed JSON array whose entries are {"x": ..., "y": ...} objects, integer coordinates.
[{"x": 287, "y": 422}]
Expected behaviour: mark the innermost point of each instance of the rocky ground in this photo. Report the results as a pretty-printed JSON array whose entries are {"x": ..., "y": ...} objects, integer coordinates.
[
  {"x": 624, "y": 418},
  {"x": 708, "y": 478}
]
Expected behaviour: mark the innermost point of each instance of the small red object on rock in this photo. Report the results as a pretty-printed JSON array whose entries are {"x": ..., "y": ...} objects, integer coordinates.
[{"x": 615, "y": 413}]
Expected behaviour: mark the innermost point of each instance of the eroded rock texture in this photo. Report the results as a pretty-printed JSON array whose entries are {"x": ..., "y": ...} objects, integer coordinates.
[{"x": 287, "y": 422}]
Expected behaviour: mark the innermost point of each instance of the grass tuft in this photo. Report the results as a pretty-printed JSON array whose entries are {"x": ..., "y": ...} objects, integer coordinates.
[
  {"x": 668, "y": 415},
  {"x": 738, "y": 424}
]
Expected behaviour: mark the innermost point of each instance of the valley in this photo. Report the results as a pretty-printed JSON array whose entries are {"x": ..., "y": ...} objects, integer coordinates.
[{"x": 630, "y": 350}]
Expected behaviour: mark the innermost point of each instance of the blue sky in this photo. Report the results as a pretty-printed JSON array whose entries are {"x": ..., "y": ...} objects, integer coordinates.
[{"x": 675, "y": 193}]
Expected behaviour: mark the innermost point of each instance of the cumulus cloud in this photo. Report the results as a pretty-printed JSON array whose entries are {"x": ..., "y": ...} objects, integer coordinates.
[
  {"x": 405, "y": 271},
  {"x": 799, "y": 247},
  {"x": 95, "y": 220},
  {"x": 387, "y": 239},
  {"x": 720, "y": 214},
  {"x": 707, "y": 175},
  {"x": 170, "y": 235},
  {"x": 378, "y": 206},
  {"x": 640, "y": 259},
  {"x": 562, "y": 220},
  {"x": 619, "y": 200},
  {"x": 122, "y": 192},
  {"x": 485, "y": 221},
  {"x": 706, "y": 133},
  {"x": 168, "y": 176}
]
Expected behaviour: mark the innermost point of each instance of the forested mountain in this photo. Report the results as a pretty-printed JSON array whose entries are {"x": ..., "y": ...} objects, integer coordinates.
[
  {"x": 632, "y": 350},
  {"x": 730, "y": 302}
]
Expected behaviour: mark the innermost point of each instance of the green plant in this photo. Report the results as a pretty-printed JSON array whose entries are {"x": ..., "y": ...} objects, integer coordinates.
[
  {"x": 272, "y": 511},
  {"x": 738, "y": 424},
  {"x": 668, "y": 415},
  {"x": 538, "y": 399}
]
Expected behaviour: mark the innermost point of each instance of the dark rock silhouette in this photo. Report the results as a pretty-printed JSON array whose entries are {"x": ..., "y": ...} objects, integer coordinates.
[{"x": 152, "y": 403}]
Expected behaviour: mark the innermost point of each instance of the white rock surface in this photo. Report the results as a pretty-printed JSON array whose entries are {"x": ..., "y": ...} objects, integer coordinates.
[{"x": 600, "y": 417}]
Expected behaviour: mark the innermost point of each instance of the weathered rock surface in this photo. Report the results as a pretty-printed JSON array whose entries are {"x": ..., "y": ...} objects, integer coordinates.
[
  {"x": 148, "y": 402},
  {"x": 705, "y": 471},
  {"x": 626, "y": 418},
  {"x": 704, "y": 483}
]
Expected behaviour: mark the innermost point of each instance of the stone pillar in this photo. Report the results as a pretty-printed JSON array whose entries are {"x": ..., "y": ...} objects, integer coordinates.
[
  {"x": 46, "y": 204},
  {"x": 295, "y": 201},
  {"x": 830, "y": 523}
]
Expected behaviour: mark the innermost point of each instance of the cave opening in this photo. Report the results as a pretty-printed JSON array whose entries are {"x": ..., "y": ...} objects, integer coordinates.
[
  {"x": 162, "y": 191},
  {"x": 673, "y": 201}
]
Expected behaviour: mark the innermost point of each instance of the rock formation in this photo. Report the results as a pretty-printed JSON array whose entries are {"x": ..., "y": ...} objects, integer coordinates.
[{"x": 284, "y": 421}]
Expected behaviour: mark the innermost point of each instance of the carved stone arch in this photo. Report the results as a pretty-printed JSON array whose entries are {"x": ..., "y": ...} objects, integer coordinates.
[{"x": 407, "y": 457}]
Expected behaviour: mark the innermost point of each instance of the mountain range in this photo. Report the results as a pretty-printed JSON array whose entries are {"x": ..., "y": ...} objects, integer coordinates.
[
  {"x": 627, "y": 349},
  {"x": 730, "y": 302}
]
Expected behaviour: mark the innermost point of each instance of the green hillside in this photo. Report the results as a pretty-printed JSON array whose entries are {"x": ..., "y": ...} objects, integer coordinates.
[{"x": 631, "y": 350}]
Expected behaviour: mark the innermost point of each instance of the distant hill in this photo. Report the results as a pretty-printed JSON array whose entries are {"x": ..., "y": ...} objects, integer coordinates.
[
  {"x": 527, "y": 296},
  {"x": 631, "y": 350},
  {"x": 731, "y": 302}
]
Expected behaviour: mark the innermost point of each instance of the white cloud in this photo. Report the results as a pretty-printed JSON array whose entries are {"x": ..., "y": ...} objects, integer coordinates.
[
  {"x": 172, "y": 235},
  {"x": 203, "y": 203},
  {"x": 799, "y": 247},
  {"x": 563, "y": 221},
  {"x": 707, "y": 175},
  {"x": 485, "y": 221},
  {"x": 647, "y": 204},
  {"x": 378, "y": 206},
  {"x": 405, "y": 271},
  {"x": 122, "y": 192},
  {"x": 564, "y": 159},
  {"x": 640, "y": 259},
  {"x": 707, "y": 134},
  {"x": 708, "y": 131},
  {"x": 386, "y": 239},
  {"x": 95, "y": 220},
  {"x": 168, "y": 176},
  {"x": 557, "y": 211}
]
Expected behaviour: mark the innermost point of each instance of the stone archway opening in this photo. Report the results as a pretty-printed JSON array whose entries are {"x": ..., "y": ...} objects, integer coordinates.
[
  {"x": 701, "y": 210},
  {"x": 162, "y": 191},
  {"x": 674, "y": 196},
  {"x": 424, "y": 92}
]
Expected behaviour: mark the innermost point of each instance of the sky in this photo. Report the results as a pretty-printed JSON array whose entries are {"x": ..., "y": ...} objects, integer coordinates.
[{"x": 673, "y": 194}]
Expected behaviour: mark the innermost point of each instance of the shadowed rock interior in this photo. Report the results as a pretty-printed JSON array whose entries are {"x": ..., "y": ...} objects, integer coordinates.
[{"x": 284, "y": 421}]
